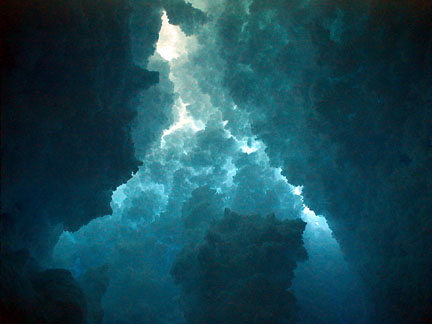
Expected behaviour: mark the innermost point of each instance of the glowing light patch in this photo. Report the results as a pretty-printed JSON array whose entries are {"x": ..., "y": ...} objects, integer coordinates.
[
  {"x": 318, "y": 222},
  {"x": 185, "y": 121},
  {"x": 298, "y": 190},
  {"x": 169, "y": 36},
  {"x": 248, "y": 150},
  {"x": 249, "y": 145}
]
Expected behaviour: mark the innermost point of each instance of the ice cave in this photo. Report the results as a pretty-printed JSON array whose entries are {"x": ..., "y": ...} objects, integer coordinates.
[{"x": 216, "y": 162}]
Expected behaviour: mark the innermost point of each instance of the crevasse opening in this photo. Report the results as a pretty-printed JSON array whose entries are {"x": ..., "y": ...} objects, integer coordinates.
[{"x": 202, "y": 148}]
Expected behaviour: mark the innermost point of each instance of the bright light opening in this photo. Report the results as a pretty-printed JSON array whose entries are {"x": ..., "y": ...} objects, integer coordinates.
[{"x": 169, "y": 36}]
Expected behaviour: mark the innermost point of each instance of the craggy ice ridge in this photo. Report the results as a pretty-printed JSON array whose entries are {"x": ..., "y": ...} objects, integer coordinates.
[{"x": 200, "y": 149}]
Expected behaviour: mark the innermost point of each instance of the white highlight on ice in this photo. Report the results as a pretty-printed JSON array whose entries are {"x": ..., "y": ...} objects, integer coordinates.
[
  {"x": 298, "y": 190},
  {"x": 185, "y": 121},
  {"x": 309, "y": 216},
  {"x": 250, "y": 145},
  {"x": 248, "y": 150}
]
